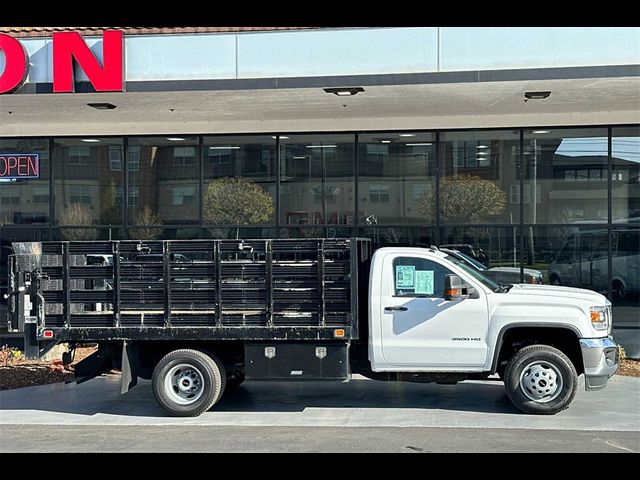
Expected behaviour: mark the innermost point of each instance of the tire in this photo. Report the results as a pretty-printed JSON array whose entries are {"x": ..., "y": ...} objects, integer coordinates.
[
  {"x": 187, "y": 383},
  {"x": 540, "y": 379},
  {"x": 619, "y": 290},
  {"x": 235, "y": 381},
  {"x": 555, "y": 280}
]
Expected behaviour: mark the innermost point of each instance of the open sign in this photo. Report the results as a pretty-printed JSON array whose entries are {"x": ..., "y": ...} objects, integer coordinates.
[{"x": 14, "y": 166}]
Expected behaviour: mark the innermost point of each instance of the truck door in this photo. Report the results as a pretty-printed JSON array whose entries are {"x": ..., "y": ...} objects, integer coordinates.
[{"x": 422, "y": 331}]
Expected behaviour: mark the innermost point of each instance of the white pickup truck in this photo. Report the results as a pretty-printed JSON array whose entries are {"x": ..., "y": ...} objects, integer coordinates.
[{"x": 304, "y": 309}]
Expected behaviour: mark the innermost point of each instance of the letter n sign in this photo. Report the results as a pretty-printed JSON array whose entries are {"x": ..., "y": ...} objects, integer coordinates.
[{"x": 68, "y": 46}]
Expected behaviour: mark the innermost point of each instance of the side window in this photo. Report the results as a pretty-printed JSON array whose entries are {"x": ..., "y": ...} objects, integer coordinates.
[{"x": 418, "y": 277}]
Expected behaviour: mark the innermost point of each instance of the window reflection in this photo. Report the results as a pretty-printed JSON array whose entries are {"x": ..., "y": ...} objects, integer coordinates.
[
  {"x": 239, "y": 183},
  {"x": 163, "y": 184},
  {"x": 25, "y": 201},
  {"x": 565, "y": 176},
  {"x": 625, "y": 178},
  {"x": 87, "y": 185},
  {"x": 479, "y": 182},
  {"x": 396, "y": 177},
  {"x": 317, "y": 182}
]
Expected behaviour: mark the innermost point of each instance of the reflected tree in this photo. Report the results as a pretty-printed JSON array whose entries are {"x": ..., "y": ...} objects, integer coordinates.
[
  {"x": 237, "y": 201},
  {"x": 152, "y": 225},
  {"x": 463, "y": 199},
  {"x": 77, "y": 214}
]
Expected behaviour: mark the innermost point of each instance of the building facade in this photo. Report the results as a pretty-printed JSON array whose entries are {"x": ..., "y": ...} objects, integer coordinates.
[{"x": 521, "y": 146}]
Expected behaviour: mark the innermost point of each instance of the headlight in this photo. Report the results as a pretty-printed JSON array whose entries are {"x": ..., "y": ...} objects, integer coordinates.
[{"x": 599, "y": 318}]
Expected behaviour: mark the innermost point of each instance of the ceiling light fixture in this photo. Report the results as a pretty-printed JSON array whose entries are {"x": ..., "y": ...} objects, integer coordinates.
[
  {"x": 481, "y": 147},
  {"x": 537, "y": 95},
  {"x": 175, "y": 139},
  {"x": 102, "y": 106},
  {"x": 322, "y": 146},
  {"x": 90, "y": 140},
  {"x": 419, "y": 144},
  {"x": 344, "y": 91},
  {"x": 407, "y": 135},
  {"x": 299, "y": 158},
  {"x": 230, "y": 147},
  {"x": 541, "y": 132},
  {"x": 281, "y": 138},
  {"x": 385, "y": 141}
]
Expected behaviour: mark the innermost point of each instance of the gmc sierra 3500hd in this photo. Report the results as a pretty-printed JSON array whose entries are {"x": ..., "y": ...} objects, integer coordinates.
[{"x": 200, "y": 316}]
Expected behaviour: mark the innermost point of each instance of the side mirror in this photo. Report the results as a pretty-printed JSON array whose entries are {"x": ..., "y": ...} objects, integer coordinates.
[{"x": 456, "y": 289}]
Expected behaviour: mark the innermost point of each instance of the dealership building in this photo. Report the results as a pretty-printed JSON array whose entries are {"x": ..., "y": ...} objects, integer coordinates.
[{"x": 519, "y": 146}]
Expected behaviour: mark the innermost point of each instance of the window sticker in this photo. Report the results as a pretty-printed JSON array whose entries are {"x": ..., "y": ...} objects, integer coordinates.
[
  {"x": 405, "y": 276},
  {"x": 424, "y": 282}
]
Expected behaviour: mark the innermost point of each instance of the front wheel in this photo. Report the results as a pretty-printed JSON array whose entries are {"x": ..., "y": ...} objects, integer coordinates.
[
  {"x": 187, "y": 383},
  {"x": 541, "y": 379}
]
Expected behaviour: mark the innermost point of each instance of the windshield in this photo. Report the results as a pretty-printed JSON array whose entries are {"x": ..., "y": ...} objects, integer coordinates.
[{"x": 487, "y": 282}]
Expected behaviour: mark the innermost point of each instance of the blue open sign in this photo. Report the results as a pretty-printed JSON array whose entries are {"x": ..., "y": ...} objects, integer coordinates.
[{"x": 14, "y": 166}]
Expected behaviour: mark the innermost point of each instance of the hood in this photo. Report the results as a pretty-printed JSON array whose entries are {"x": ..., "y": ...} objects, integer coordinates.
[{"x": 580, "y": 294}]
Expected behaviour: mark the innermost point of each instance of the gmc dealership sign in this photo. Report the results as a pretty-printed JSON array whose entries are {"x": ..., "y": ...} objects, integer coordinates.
[
  {"x": 14, "y": 166},
  {"x": 67, "y": 47}
]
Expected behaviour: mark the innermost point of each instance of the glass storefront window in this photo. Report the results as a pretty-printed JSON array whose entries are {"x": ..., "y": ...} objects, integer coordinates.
[
  {"x": 87, "y": 185},
  {"x": 479, "y": 182},
  {"x": 565, "y": 176},
  {"x": 25, "y": 201},
  {"x": 569, "y": 255},
  {"x": 399, "y": 236},
  {"x": 239, "y": 182},
  {"x": 625, "y": 282},
  {"x": 317, "y": 184},
  {"x": 163, "y": 184},
  {"x": 625, "y": 176},
  {"x": 493, "y": 250},
  {"x": 396, "y": 178}
]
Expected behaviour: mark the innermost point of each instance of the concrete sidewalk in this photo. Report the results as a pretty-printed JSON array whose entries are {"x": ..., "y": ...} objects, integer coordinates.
[{"x": 360, "y": 403}]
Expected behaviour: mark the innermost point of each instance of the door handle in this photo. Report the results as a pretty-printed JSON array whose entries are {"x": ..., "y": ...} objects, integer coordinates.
[{"x": 395, "y": 309}]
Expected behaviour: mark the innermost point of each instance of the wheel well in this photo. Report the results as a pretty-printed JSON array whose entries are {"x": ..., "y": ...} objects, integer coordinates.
[
  {"x": 563, "y": 339},
  {"x": 230, "y": 353}
]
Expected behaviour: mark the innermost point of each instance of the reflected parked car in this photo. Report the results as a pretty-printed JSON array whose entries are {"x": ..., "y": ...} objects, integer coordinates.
[
  {"x": 583, "y": 262},
  {"x": 502, "y": 275}
]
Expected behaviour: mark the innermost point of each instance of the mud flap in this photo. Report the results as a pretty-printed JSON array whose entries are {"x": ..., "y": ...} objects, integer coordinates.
[{"x": 130, "y": 365}]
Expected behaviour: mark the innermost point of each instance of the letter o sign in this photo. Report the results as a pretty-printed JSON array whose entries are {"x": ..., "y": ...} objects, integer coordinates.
[{"x": 16, "y": 63}]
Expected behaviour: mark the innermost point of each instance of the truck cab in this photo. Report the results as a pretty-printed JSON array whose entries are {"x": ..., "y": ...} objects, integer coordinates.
[{"x": 430, "y": 312}]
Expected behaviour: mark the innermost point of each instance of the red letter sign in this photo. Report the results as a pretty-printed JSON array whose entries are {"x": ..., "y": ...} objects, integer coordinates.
[
  {"x": 15, "y": 68},
  {"x": 70, "y": 45}
]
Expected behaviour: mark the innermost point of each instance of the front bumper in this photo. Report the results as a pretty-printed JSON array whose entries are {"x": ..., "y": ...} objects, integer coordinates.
[{"x": 600, "y": 358}]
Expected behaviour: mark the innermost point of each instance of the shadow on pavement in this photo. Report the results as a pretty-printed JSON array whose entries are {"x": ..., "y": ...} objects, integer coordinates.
[{"x": 102, "y": 396}]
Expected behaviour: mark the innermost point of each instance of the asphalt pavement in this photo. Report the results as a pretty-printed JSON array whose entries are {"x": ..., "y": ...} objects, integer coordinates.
[{"x": 362, "y": 415}]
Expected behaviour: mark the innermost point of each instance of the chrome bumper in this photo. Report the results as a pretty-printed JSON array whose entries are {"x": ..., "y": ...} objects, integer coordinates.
[{"x": 600, "y": 358}]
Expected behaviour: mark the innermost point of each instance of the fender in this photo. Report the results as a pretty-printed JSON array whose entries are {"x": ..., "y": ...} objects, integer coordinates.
[{"x": 506, "y": 328}]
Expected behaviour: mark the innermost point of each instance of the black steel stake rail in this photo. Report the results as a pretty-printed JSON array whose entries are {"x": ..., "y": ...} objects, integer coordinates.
[{"x": 225, "y": 289}]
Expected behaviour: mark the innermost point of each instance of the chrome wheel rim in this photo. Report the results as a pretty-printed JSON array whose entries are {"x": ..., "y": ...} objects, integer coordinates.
[
  {"x": 541, "y": 382},
  {"x": 184, "y": 384}
]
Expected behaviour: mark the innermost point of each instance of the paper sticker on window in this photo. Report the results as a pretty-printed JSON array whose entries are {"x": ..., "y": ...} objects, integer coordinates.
[
  {"x": 405, "y": 275},
  {"x": 424, "y": 282}
]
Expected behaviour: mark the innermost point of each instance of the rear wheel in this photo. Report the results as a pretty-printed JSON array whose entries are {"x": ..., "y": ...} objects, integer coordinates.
[
  {"x": 187, "y": 383},
  {"x": 541, "y": 379},
  {"x": 555, "y": 280}
]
